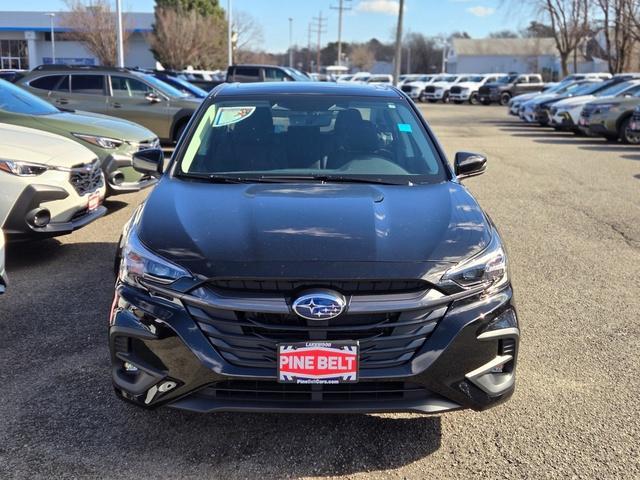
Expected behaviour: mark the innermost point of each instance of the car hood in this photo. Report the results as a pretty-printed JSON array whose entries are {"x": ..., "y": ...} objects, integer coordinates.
[
  {"x": 525, "y": 97},
  {"x": 541, "y": 98},
  {"x": 468, "y": 84},
  {"x": 30, "y": 145},
  {"x": 94, "y": 124},
  {"x": 312, "y": 229},
  {"x": 417, "y": 84},
  {"x": 574, "y": 101}
]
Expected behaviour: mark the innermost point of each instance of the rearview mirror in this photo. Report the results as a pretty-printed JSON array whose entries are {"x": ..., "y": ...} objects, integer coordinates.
[
  {"x": 152, "y": 97},
  {"x": 149, "y": 162},
  {"x": 469, "y": 164}
]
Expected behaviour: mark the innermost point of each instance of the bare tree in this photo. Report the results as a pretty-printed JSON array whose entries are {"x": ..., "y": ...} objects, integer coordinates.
[
  {"x": 570, "y": 23},
  {"x": 362, "y": 57},
  {"x": 181, "y": 38},
  {"x": 94, "y": 25},
  {"x": 249, "y": 36},
  {"x": 621, "y": 31}
]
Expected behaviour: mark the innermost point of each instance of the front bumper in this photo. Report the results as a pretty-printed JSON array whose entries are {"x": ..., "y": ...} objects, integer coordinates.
[
  {"x": 492, "y": 96},
  {"x": 177, "y": 364},
  {"x": 460, "y": 97},
  {"x": 17, "y": 226},
  {"x": 562, "y": 119},
  {"x": 437, "y": 95},
  {"x": 121, "y": 177}
]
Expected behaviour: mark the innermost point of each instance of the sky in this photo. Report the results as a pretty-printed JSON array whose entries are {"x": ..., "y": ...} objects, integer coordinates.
[{"x": 366, "y": 19}]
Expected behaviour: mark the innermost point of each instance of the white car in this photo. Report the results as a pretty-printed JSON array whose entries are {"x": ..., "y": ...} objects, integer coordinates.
[
  {"x": 49, "y": 185},
  {"x": 3, "y": 276},
  {"x": 414, "y": 87},
  {"x": 466, "y": 89},
  {"x": 565, "y": 114},
  {"x": 360, "y": 77},
  {"x": 439, "y": 88},
  {"x": 380, "y": 79}
]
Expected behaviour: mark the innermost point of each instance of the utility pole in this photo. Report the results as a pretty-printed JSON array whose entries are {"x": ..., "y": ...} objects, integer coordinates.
[
  {"x": 341, "y": 8},
  {"x": 398, "y": 55},
  {"x": 53, "y": 40},
  {"x": 309, "y": 32},
  {"x": 119, "y": 33},
  {"x": 229, "y": 34},
  {"x": 320, "y": 28},
  {"x": 290, "y": 42},
  {"x": 408, "y": 58}
]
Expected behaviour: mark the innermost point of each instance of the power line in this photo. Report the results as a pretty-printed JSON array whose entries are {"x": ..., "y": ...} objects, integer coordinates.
[
  {"x": 319, "y": 26},
  {"x": 341, "y": 8}
]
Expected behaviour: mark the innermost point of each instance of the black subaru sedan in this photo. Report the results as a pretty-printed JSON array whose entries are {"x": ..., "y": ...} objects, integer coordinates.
[{"x": 310, "y": 249}]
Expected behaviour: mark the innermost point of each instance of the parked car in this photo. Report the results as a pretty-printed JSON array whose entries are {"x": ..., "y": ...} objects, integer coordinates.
[
  {"x": 179, "y": 83},
  {"x": 322, "y": 77},
  {"x": 380, "y": 79},
  {"x": 344, "y": 78},
  {"x": 264, "y": 73},
  {"x": 438, "y": 90},
  {"x": 587, "y": 76},
  {"x": 50, "y": 185},
  {"x": 508, "y": 87},
  {"x": 565, "y": 114},
  {"x": 294, "y": 257},
  {"x": 536, "y": 109},
  {"x": 117, "y": 92},
  {"x": 11, "y": 75},
  {"x": 112, "y": 140},
  {"x": 633, "y": 130},
  {"x": 204, "y": 79},
  {"x": 408, "y": 77},
  {"x": 610, "y": 117},
  {"x": 360, "y": 77},
  {"x": 466, "y": 90},
  {"x": 415, "y": 88},
  {"x": 3, "y": 275}
]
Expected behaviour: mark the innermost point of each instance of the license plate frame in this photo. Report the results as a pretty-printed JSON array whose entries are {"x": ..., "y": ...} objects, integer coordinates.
[
  {"x": 322, "y": 362},
  {"x": 93, "y": 201}
]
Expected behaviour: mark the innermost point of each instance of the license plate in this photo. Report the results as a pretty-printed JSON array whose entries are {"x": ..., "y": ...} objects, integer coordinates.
[
  {"x": 94, "y": 201},
  {"x": 318, "y": 362}
]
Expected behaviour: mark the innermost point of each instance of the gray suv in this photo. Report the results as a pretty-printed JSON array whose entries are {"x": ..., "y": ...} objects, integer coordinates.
[{"x": 119, "y": 92}]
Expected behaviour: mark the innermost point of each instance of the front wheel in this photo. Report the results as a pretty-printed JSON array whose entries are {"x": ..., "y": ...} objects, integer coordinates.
[
  {"x": 445, "y": 97},
  {"x": 626, "y": 135},
  {"x": 504, "y": 98},
  {"x": 473, "y": 99}
]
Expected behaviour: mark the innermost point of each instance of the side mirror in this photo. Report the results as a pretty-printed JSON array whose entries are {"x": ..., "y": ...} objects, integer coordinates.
[
  {"x": 149, "y": 162},
  {"x": 152, "y": 97},
  {"x": 469, "y": 164}
]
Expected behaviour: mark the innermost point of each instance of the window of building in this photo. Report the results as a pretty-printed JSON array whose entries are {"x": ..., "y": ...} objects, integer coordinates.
[{"x": 13, "y": 54}]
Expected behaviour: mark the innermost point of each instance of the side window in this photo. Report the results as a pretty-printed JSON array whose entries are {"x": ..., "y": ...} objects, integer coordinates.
[
  {"x": 87, "y": 84},
  {"x": 246, "y": 74},
  {"x": 275, "y": 75},
  {"x": 522, "y": 79},
  {"x": 63, "y": 86},
  {"x": 129, "y": 87},
  {"x": 48, "y": 82}
]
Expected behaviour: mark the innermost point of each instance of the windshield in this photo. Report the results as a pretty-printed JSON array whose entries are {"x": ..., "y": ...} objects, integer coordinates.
[
  {"x": 296, "y": 74},
  {"x": 186, "y": 87},
  {"x": 306, "y": 137},
  {"x": 15, "y": 100},
  {"x": 588, "y": 88},
  {"x": 425, "y": 78},
  {"x": 615, "y": 89},
  {"x": 163, "y": 86},
  {"x": 507, "y": 79}
]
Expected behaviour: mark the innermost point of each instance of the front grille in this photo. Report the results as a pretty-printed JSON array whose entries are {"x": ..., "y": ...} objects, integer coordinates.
[
  {"x": 484, "y": 90},
  {"x": 248, "y": 390},
  {"x": 87, "y": 178},
  {"x": 429, "y": 89},
  {"x": 407, "y": 88},
  {"x": 347, "y": 287},
  {"x": 250, "y": 339},
  {"x": 456, "y": 90},
  {"x": 553, "y": 110}
]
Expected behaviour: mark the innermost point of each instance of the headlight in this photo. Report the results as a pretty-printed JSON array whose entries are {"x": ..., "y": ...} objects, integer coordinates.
[
  {"x": 138, "y": 262},
  {"x": 605, "y": 107},
  {"x": 487, "y": 269},
  {"x": 104, "y": 142},
  {"x": 22, "y": 169}
]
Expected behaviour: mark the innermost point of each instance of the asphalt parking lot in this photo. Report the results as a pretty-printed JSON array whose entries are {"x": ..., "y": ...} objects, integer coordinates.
[{"x": 569, "y": 211}]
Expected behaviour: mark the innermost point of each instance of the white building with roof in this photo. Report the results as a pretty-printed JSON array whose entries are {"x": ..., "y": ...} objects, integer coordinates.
[
  {"x": 25, "y": 41},
  {"x": 519, "y": 55}
]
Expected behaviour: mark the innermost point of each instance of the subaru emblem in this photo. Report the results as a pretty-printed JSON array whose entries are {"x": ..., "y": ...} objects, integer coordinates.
[{"x": 319, "y": 305}]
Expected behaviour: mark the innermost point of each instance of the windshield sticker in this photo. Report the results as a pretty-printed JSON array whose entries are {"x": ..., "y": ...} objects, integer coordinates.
[
  {"x": 230, "y": 115},
  {"x": 391, "y": 105},
  {"x": 404, "y": 127}
]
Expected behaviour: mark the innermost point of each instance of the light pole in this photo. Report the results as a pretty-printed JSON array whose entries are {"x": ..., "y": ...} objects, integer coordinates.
[
  {"x": 290, "y": 42},
  {"x": 398, "y": 55},
  {"x": 119, "y": 33},
  {"x": 53, "y": 40},
  {"x": 229, "y": 34},
  {"x": 444, "y": 55}
]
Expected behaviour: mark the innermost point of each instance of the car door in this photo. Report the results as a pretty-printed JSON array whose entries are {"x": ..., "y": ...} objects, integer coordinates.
[
  {"x": 535, "y": 83},
  {"x": 87, "y": 92},
  {"x": 137, "y": 101}
]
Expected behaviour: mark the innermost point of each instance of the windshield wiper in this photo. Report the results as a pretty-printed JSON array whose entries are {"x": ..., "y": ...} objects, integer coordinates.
[
  {"x": 328, "y": 179},
  {"x": 213, "y": 178}
]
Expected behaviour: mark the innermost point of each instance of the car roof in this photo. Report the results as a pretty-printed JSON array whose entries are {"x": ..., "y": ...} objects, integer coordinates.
[{"x": 305, "y": 88}]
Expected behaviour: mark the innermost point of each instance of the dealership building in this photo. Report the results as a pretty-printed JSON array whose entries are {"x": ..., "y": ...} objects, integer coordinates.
[{"x": 25, "y": 41}]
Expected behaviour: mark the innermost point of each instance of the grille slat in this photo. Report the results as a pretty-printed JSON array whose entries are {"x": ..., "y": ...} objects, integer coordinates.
[
  {"x": 86, "y": 179},
  {"x": 250, "y": 339}
]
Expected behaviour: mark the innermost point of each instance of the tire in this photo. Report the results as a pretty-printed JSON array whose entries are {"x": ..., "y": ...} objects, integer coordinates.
[
  {"x": 486, "y": 102},
  {"x": 445, "y": 97},
  {"x": 504, "y": 99},
  {"x": 633, "y": 139},
  {"x": 473, "y": 99}
]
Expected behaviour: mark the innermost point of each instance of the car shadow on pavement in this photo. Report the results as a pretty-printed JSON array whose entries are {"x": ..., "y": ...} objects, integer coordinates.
[
  {"x": 58, "y": 400},
  {"x": 114, "y": 205},
  {"x": 631, "y": 157}
]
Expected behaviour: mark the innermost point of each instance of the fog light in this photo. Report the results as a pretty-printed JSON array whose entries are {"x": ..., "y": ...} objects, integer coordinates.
[
  {"x": 166, "y": 386},
  {"x": 130, "y": 367},
  {"x": 39, "y": 218},
  {"x": 117, "y": 178}
]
